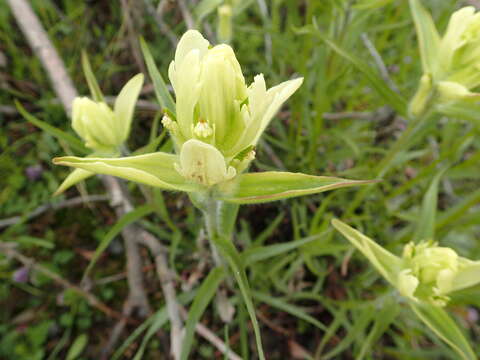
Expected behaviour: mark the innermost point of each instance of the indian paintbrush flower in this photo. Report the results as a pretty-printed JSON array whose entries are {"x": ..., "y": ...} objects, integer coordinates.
[
  {"x": 102, "y": 129},
  {"x": 216, "y": 126},
  {"x": 425, "y": 273},
  {"x": 451, "y": 65}
]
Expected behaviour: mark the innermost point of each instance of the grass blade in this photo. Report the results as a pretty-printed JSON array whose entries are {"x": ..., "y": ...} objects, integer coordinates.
[
  {"x": 203, "y": 297},
  {"x": 125, "y": 220},
  {"x": 91, "y": 80},
  {"x": 71, "y": 140},
  {"x": 161, "y": 90},
  {"x": 235, "y": 261},
  {"x": 445, "y": 328}
]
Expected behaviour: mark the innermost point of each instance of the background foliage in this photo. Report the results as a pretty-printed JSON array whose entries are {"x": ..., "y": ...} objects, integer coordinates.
[{"x": 320, "y": 301}]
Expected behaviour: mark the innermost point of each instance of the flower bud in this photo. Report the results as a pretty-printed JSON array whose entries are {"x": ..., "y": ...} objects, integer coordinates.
[
  {"x": 224, "y": 30},
  {"x": 450, "y": 63},
  {"x": 95, "y": 123},
  {"x": 429, "y": 272}
]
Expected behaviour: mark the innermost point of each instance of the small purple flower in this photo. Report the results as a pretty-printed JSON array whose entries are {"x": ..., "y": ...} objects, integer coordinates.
[
  {"x": 472, "y": 315},
  {"x": 21, "y": 275},
  {"x": 34, "y": 172}
]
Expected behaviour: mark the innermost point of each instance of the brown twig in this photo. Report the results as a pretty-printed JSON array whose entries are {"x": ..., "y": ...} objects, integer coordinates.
[
  {"x": 379, "y": 62},
  {"x": 52, "y": 206},
  {"x": 9, "y": 250},
  {"x": 187, "y": 16},
  {"x": 41, "y": 45}
]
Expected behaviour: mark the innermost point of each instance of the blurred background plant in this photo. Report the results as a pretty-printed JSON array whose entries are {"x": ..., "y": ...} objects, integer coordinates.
[{"x": 318, "y": 300}]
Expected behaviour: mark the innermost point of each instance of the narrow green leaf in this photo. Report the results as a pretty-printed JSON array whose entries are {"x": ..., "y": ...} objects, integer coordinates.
[
  {"x": 153, "y": 323},
  {"x": 234, "y": 259},
  {"x": 73, "y": 178},
  {"x": 95, "y": 90},
  {"x": 260, "y": 253},
  {"x": 203, "y": 297},
  {"x": 267, "y": 186},
  {"x": 426, "y": 222},
  {"x": 390, "y": 97},
  {"x": 384, "y": 317},
  {"x": 77, "y": 347},
  {"x": 160, "y": 319},
  {"x": 444, "y": 327},
  {"x": 125, "y": 220},
  {"x": 161, "y": 90},
  {"x": 464, "y": 110},
  {"x": 34, "y": 241},
  {"x": 133, "y": 336},
  {"x": 71, "y": 140},
  {"x": 428, "y": 38},
  {"x": 289, "y": 308}
]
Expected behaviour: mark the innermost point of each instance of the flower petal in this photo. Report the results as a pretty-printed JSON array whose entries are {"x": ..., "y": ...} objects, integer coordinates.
[
  {"x": 276, "y": 96},
  {"x": 191, "y": 40},
  {"x": 204, "y": 164}
]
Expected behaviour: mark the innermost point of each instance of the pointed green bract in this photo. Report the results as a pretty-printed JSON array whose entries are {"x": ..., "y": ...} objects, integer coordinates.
[
  {"x": 268, "y": 186},
  {"x": 73, "y": 178},
  {"x": 426, "y": 273},
  {"x": 384, "y": 261},
  {"x": 450, "y": 62},
  {"x": 156, "y": 169}
]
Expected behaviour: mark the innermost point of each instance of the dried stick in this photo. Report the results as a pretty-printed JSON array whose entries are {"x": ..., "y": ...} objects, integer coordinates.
[
  {"x": 379, "y": 62},
  {"x": 187, "y": 16},
  {"x": 52, "y": 206},
  {"x": 41, "y": 45},
  {"x": 9, "y": 250}
]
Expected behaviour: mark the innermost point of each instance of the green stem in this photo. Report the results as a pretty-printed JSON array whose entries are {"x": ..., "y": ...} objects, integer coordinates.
[{"x": 221, "y": 243}]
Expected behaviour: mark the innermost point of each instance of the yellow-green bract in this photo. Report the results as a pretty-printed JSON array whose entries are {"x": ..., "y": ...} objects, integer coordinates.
[
  {"x": 104, "y": 130},
  {"x": 218, "y": 122},
  {"x": 450, "y": 63},
  {"x": 425, "y": 273}
]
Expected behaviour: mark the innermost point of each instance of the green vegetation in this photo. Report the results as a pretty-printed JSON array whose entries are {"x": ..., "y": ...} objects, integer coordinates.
[{"x": 315, "y": 296}]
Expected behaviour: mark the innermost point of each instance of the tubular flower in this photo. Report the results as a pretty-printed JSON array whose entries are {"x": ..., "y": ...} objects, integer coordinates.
[
  {"x": 425, "y": 273},
  {"x": 217, "y": 123},
  {"x": 451, "y": 65},
  {"x": 217, "y": 114},
  {"x": 102, "y": 128}
]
